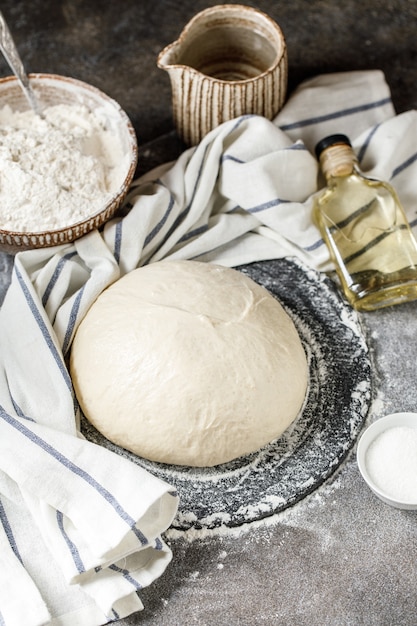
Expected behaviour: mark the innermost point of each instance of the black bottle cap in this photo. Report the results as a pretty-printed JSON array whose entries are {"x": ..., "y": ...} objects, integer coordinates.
[{"x": 331, "y": 140}]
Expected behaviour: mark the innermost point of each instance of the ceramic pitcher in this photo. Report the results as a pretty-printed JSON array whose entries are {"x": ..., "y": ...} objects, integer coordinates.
[{"x": 229, "y": 60}]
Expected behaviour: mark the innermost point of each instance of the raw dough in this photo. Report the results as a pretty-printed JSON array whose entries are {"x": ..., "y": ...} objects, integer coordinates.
[{"x": 188, "y": 363}]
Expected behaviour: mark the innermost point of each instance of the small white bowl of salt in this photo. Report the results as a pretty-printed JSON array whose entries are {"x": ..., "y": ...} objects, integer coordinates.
[{"x": 387, "y": 459}]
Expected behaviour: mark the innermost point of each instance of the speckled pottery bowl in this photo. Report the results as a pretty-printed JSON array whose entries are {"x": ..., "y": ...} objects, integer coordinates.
[
  {"x": 52, "y": 90},
  {"x": 229, "y": 60}
]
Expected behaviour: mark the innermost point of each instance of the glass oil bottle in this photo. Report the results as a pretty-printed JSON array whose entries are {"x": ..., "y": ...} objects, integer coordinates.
[{"x": 366, "y": 230}]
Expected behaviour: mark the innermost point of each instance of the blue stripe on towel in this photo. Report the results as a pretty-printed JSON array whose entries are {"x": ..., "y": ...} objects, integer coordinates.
[
  {"x": 186, "y": 210},
  {"x": 72, "y": 319},
  {"x": 127, "y": 575},
  {"x": 266, "y": 205},
  {"x": 335, "y": 115},
  {"x": 17, "y": 408},
  {"x": 240, "y": 121},
  {"x": 161, "y": 222},
  {"x": 193, "y": 233},
  {"x": 363, "y": 149},
  {"x": 230, "y": 157},
  {"x": 75, "y": 469},
  {"x": 314, "y": 246},
  {"x": 400, "y": 168},
  {"x": 44, "y": 330},
  {"x": 55, "y": 276},
  {"x": 115, "y": 617},
  {"x": 9, "y": 533},
  {"x": 118, "y": 241},
  {"x": 71, "y": 546}
]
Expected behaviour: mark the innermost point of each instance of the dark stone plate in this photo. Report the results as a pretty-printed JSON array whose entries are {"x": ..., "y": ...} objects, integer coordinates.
[{"x": 338, "y": 399}]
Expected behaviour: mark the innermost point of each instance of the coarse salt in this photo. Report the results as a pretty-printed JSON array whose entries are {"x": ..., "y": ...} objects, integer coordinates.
[
  {"x": 391, "y": 461},
  {"x": 58, "y": 169}
]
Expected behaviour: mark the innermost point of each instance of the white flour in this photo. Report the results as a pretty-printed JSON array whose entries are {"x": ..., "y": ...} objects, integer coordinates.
[{"x": 57, "y": 170}]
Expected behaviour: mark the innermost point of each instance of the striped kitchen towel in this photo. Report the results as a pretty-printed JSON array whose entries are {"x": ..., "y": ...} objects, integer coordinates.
[{"x": 80, "y": 527}]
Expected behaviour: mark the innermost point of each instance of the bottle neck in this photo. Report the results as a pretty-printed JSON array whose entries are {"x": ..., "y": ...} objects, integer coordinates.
[{"x": 338, "y": 160}]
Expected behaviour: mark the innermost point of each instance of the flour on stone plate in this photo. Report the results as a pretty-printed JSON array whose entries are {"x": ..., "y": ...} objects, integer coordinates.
[{"x": 57, "y": 170}]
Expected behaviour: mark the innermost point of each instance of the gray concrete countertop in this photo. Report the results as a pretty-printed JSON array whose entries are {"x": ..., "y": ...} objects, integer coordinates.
[{"x": 340, "y": 557}]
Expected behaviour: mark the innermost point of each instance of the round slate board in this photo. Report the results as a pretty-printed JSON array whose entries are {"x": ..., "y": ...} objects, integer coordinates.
[{"x": 338, "y": 399}]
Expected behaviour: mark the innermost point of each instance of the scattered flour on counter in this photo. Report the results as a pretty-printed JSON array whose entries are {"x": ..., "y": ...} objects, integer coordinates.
[{"x": 56, "y": 170}]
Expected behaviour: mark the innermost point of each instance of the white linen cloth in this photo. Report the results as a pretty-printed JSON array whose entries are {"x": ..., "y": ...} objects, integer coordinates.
[{"x": 80, "y": 526}]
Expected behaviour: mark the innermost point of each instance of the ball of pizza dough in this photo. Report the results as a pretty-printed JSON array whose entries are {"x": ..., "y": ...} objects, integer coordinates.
[{"x": 188, "y": 363}]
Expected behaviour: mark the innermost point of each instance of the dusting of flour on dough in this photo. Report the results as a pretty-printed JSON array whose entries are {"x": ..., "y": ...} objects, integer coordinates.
[
  {"x": 257, "y": 488},
  {"x": 58, "y": 169}
]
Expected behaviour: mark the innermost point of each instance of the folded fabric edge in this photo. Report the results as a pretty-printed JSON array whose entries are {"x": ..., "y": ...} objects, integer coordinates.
[{"x": 132, "y": 574}]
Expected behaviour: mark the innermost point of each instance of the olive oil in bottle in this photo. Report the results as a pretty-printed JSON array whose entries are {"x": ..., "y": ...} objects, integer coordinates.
[{"x": 366, "y": 230}]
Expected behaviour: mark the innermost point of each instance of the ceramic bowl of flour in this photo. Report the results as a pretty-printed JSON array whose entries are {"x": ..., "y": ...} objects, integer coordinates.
[
  {"x": 387, "y": 459},
  {"x": 66, "y": 172}
]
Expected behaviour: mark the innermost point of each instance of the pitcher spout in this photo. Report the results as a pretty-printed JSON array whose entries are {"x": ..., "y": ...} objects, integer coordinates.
[{"x": 169, "y": 56}]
